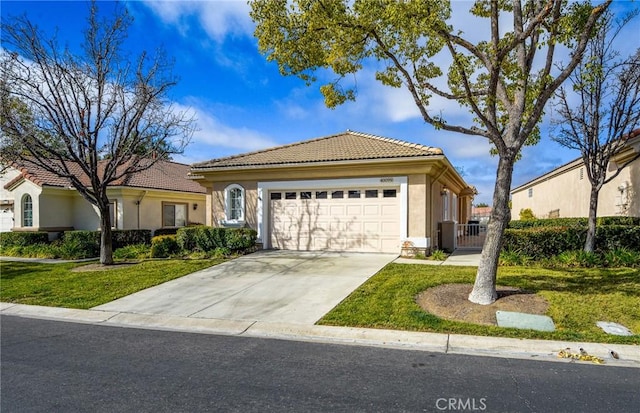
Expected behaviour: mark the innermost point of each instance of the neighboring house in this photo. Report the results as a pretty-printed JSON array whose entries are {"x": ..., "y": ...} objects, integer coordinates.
[
  {"x": 159, "y": 197},
  {"x": 565, "y": 191},
  {"x": 346, "y": 192},
  {"x": 481, "y": 214}
]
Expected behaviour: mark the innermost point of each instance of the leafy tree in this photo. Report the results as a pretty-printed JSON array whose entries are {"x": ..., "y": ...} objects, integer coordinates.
[
  {"x": 607, "y": 113},
  {"x": 504, "y": 80},
  {"x": 94, "y": 117},
  {"x": 482, "y": 205}
]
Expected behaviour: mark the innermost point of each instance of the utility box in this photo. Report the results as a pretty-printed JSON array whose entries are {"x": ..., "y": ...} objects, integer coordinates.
[{"x": 447, "y": 235}]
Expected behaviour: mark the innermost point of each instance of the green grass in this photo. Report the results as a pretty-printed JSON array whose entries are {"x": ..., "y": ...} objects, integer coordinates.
[
  {"x": 55, "y": 285},
  {"x": 578, "y": 298}
]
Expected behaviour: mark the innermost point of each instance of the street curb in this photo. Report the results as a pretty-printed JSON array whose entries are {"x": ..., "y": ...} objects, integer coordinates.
[{"x": 544, "y": 350}]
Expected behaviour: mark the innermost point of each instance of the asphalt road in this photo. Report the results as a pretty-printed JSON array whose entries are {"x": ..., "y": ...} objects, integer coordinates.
[{"x": 49, "y": 366}]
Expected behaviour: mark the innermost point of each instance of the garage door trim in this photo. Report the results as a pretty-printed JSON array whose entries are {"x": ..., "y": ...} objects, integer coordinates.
[{"x": 377, "y": 182}]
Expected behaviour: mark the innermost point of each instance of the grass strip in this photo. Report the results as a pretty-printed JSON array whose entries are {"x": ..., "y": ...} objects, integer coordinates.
[
  {"x": 56, "y": 285},
  {"x": 578, "y": 298}
]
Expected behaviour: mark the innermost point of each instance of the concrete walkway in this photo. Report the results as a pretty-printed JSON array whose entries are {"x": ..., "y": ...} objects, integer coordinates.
[
  {"x": 543, "y": 350},
  {"x": 467, "y": 258}
]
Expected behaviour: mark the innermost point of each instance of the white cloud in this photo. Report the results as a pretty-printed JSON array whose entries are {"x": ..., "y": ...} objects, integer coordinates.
[
  {"x": 214, "y": 136},
  {"x": 218, "y": 18}
]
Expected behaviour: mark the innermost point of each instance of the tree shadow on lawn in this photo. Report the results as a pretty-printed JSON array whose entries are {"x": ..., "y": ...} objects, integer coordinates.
[{"x": 578, "y": 280}]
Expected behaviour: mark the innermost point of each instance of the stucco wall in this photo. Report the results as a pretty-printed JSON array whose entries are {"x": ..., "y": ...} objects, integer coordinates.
[
  {"x": 568, "y": 194},
  {"x": 250, "y": 198}
]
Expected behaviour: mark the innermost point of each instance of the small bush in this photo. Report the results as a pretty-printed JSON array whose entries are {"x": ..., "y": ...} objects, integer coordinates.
[
  {"x": 513, "y": 258},
  {"x": 133, "y": 252},
  {"x": 438, "y": 255},
  {"x": 10, "y": 239},
  {"x": 164, "y": 246},
  {"x": 32, "y": 251},
  {"x": 85, "y": 244},
  {"x": 622, "y": 257},
  {"x": 526, "y": 214}
]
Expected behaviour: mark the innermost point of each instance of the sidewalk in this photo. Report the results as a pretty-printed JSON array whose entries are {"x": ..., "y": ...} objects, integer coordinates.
[
  {"x": 469, "y": 258},
  {"x": 543, "y": 350}
]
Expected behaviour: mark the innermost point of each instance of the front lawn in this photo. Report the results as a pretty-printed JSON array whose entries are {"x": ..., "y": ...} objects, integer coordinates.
[
  {"x": 577, "y": 297},
  {"x": 56, "y": 285}
]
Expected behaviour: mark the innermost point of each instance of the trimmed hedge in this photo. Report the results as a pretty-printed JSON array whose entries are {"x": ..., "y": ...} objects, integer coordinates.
[
  {"x": 165, "y": 231},
  {"x": 88, "y": 242},
  {"x": 202, "y": 238},
  {"x": 23, "y": 239},
  {"x": 573, "y": 222},
  {"x": 545, "y": 242}
]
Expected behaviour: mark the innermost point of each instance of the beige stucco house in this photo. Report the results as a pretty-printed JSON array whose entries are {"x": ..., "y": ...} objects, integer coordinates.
[
  {"x": 565, "y": 191},
  {"x": 345, "y": 192},
  {"x": 159, "y": 197}
]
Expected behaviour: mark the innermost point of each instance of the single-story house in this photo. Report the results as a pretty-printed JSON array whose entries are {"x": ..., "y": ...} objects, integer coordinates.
[
  {"x": 159, "y": 197},
  {"x": 565, "y": 191},
  {"x": 345, "y": 192}
]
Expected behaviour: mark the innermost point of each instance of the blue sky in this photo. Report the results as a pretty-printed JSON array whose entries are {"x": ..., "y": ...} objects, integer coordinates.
[{"x": 242, "y": 103}]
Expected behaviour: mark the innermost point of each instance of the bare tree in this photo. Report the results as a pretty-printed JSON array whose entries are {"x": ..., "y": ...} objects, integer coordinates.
[
  {"x": 93, "y": 117},
  {"x": 607, "y": 112},
  {"x": 504, "y": 80}
]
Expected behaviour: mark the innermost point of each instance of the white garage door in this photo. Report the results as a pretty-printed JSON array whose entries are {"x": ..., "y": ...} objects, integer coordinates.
[{"x": 359, "y": 220}]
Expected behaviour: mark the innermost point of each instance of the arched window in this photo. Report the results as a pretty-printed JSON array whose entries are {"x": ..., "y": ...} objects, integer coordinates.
[
  {"x": 234, "y": 203},
  {"x": 27, "y": 211}
]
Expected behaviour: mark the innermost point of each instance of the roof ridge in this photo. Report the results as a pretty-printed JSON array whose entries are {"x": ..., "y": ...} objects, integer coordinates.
[
  {"x": 430, "y": 149},
  {"x": 427, "y": 149},
  {"x": 266, "y": 150}
]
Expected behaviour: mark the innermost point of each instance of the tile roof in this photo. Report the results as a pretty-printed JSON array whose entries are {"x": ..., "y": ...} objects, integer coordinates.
[
  {"x": 345, "y": 146},
  {"x": 163, "y": 175}
]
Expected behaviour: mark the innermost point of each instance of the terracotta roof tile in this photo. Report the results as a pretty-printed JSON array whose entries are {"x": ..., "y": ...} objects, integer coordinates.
[
  {"x": 340, "y": 147},
  {"x": 163, "y": 175}
]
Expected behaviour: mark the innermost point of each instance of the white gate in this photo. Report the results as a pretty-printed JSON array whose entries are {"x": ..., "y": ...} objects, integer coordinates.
[{"x": 470, "y": 236}]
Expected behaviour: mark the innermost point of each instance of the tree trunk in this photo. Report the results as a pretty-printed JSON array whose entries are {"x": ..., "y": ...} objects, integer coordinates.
[
  {"x": 106, "y": 248},
  {"x": 590, "y": 242},
  {"x": 484, "y": 288}
]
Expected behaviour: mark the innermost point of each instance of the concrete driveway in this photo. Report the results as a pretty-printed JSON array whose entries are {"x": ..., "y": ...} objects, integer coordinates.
[{"x": 276, "y": 286}]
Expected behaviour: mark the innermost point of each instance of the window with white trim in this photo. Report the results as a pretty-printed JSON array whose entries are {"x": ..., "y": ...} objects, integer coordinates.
[
  {"x": 234, "y": 203},
  {"x": 113, "y": 213},
  {"x": 27, "y": 211}
]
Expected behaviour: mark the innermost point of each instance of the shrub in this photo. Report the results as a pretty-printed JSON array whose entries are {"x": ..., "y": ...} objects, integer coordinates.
[
  {"x": 133, "y": 252},
  {"x": 574, "y": 222},
  {"x": 237, "y": 239},
  {"x": 544, "y": 242},
  {"x": 165, "y": 231},
  {"x": 526, "y": 214},
  {"x": 438, "y": 255},
  {"x": 622, "y": 257},
  {"x": 164, "y": 246},
  {"x": 123, "y": 237},
  {"x": 85, "y": 244},
  {"x": 513, "y": 258},
  {"x": 21, "y": 239},
  {"x": 203, "y": 238}
]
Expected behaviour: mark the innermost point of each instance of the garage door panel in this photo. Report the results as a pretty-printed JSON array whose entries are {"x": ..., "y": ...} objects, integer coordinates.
[{"x": 341, "y": 224}]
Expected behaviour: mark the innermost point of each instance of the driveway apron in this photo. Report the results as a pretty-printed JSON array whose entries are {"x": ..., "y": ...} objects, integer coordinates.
[{"x": 276, "y": 286}]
